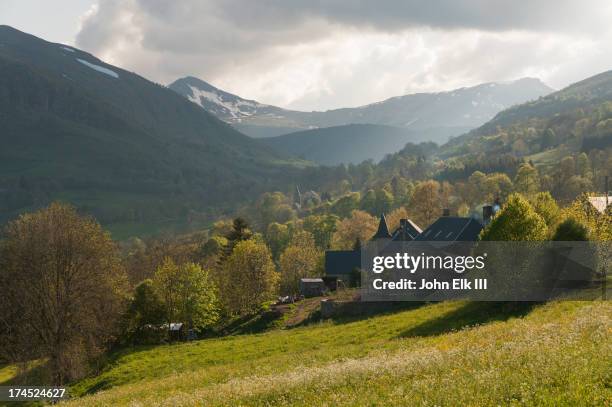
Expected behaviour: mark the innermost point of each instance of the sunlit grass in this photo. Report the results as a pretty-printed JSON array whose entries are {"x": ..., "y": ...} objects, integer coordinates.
[{"x": 557, "y": 354}]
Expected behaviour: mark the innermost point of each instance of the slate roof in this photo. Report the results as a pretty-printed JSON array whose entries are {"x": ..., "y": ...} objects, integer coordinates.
[
  {"x": 451, "y": 229},
  {"x": 383, "y": 229}
]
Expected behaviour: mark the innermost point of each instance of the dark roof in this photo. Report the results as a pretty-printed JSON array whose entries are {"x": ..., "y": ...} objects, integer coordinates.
[
  {"x": 342, "y": 261},
  {"x": 452, "y": 229},
  {"x": 406, "y": 232},
  {"x": 383, "y": 229}
]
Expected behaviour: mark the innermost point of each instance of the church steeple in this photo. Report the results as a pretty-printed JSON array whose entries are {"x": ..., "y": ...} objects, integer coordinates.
[{"x": 383, "y": 229}]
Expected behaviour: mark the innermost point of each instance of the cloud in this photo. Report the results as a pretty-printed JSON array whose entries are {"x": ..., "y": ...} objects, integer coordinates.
[{"x": 313, "y": 54}]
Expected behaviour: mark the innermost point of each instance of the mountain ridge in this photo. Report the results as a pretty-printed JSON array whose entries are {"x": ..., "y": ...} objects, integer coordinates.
[{"x": 466, "y": 107}]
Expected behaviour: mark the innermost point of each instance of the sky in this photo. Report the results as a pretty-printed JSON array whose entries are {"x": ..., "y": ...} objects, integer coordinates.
[{"x": 318, "y": 55}]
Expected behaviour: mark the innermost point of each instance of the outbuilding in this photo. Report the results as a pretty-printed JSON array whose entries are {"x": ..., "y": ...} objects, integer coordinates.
[{"x": 312, "y": 287}]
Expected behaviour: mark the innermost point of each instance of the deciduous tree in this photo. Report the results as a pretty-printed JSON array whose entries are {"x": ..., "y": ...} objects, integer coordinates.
[
  {"x": 299, "y": 260},
  {"x": 63, "y": 290},
  {"x": 516, "y": 221},
  {"x": 249, "y": 278}
]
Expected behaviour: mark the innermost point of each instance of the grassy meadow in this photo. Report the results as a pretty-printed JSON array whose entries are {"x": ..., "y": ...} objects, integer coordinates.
[{"x": 451, "y": 353}]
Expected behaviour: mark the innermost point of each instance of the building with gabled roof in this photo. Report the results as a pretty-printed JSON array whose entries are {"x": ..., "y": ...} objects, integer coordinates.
[{"x": 451, "y": 229}]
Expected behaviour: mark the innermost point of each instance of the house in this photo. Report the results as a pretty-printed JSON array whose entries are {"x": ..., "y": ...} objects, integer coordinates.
[
  {"x": 312, "y": 287},
  {"x": 344, "y": 265}
]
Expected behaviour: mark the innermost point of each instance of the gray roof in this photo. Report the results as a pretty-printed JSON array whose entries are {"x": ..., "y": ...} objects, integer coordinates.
[{"x": 452, "y": 229}]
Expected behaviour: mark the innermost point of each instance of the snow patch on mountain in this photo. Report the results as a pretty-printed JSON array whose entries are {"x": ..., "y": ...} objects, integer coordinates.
[
  {"x": 236, "y": 108},
  {"x": 99, "y": 68}
]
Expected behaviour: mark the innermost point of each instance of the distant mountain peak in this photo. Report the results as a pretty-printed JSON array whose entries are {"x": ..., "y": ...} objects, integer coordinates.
[{"x": 225, "y": 105}]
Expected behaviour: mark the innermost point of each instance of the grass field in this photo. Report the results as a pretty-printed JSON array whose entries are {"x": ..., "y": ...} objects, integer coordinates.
[{"x": 450, "y": 353}]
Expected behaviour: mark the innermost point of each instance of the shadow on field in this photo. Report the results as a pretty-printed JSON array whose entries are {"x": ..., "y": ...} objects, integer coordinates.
[
  {"x": 472, "y": 313},
  {"x": 250, "y": 324},
  {"x": 368, "y": 310}
]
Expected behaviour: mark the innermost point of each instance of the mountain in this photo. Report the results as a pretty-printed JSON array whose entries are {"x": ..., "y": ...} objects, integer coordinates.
[
  {"x": 576, "y": 118},
  {"x": 113, "y": 143},
  {"x": 442, "y": 114},
  {"x": 351, "y": 143}
]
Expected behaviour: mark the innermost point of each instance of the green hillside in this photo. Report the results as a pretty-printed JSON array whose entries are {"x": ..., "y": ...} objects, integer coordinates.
[
  {"x": 118, "y": 146},
  {"x": 577, "y": 118},
  {"x": 452, "y": 353}
]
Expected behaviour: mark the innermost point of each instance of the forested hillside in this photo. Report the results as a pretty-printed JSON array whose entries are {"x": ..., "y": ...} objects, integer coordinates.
[
  {"x": 120, "y": 147},
  {"x": 576, "y": 118}
]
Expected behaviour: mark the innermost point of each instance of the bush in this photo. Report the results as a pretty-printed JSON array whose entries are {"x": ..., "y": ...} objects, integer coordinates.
[{"x": 571, "y": 230}]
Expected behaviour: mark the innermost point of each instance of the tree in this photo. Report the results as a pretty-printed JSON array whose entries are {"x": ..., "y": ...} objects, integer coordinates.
[
  {"x": 401, "y": 189},
  {"x": 545, "y": 205},
  {"x": 63, "y": 291},
  {"x": 527, "y": 181},
  {"x": 498, "y": 185},
  {"x": 477, "y": 186},
  {"x": 212, "y": 249},
  {"x": 147, "y": 307},
  {"x": 384, "y": 201},
  {"x": 277, "y": 238},
  {"x": 583, "y": 166},
  {"x": 576, "y": 185},
  {"x": 360, "y": 225},
  {"x": 346, "y": 204},
  {"x": 425, "y": 202},
  {"x": 516, "y": 221},
  {"x": 322, "y": 228},
  {"x": 249, "y": 278},
  {"x": 239, "y": 232},
  {"x": 188, "y": 294},
  {"x": 599, "y": 225},
  {"x": 221, "y": 227},
  {"x": 273, "y": 207},
  {"x": 298, "y": 261},
  {"x": 548, "y": 139},
  {"x": 571, "y": 230},
  {"x": 567, "y": 168},
  {"x": 368, "y": 202}
]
